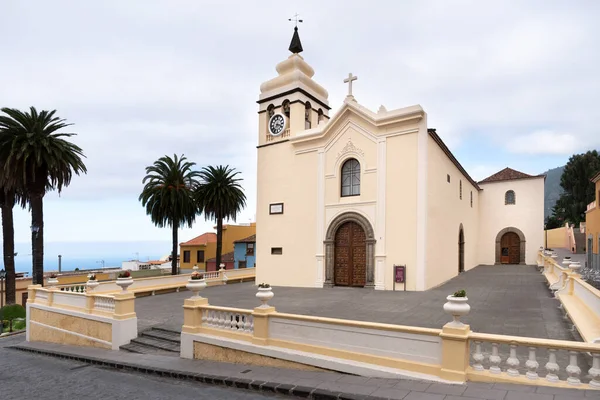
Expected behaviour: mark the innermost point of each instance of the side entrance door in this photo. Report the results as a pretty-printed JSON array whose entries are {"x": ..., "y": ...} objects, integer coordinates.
[{"x": 511, "y": 248}]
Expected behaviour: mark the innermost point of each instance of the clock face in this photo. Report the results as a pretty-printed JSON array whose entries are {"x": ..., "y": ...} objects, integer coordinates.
[{"x": 276, "y": 124}]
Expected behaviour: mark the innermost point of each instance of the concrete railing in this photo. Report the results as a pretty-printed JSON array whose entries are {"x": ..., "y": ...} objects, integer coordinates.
[
  {"x": 166, "y": 283},
  {"x": 488, "y": 366},
  {"x": 579, "y": 300},
  {"x": 263, "y": 336},
  {"x": 84, "y": 319}
]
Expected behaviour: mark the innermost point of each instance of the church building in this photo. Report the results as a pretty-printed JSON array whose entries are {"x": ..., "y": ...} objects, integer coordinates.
[{"x": 344, "y": 196}]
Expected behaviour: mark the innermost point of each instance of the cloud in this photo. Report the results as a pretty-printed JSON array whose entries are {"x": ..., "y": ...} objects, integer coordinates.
[
  {"x": 544, "y": 142},
  {"x": 143, "y": 79}
]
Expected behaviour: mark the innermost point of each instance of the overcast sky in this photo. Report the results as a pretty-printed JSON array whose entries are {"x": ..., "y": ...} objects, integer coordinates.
[{"x": 506, "y": 83}]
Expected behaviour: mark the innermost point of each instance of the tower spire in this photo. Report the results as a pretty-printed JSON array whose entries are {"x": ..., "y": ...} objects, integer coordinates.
[{"x": 295, "y": 44}]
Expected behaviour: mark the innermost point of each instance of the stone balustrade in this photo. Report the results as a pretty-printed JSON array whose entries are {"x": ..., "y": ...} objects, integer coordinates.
[
  {"x": 231, "y": 319},
  {"x": 531, "y": 360}
]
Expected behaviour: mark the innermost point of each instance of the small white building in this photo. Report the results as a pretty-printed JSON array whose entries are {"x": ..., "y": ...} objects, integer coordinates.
[{"x": 344, "y": 197}]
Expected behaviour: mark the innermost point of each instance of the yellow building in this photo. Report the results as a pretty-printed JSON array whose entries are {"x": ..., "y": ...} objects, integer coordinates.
[
  {"x": 203, "y": 247},
  {"x": 592, "y": 220}
]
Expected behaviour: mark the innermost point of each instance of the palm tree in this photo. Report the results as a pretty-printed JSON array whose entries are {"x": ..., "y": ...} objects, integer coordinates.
[
  {"x": 7, "y": 203},
  {"x": 220, "y": 196},
  {"x": 168, "y": 196},
  {"x": 37, "y": 158}
]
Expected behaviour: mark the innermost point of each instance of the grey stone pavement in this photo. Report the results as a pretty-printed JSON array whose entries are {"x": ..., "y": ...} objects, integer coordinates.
[
  {"x": 32, "y": 376},
  {"x": 84, "y": 374},
  {"x": 504, "y": 299}
]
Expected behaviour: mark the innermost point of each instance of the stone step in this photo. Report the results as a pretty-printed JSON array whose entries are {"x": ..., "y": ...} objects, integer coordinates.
[
  {"x": 174, "y": 337},
  {"x": 134, "y": 348},
  {"x": 159, "y": 344}
]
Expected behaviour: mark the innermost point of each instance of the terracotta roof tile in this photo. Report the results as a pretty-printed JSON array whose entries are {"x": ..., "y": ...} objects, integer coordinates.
[
  {"x": 205, "y": 238},
  {"x": 596, "y": 177},
  {"x": 227, "y": 257},
  {"x": 249, "y": 239},
  {"x": 508, "y": 174}
]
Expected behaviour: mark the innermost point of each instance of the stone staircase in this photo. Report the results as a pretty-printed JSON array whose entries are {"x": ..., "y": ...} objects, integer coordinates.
[
  {"x": 155, "y": 341},
  {"x": 579, "y": 242}
]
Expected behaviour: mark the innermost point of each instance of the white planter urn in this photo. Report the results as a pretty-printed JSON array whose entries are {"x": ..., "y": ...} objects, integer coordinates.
[
  {"x": 91, "y": 285},
  {"x": 567, "y": 260},
  {"x": 124, "y": 283},
  {"x": 575, "y": 267},
  {"x": 195, "y": 268},
  {"x": 457, "y": 307},
  {"x": 51, "y": 282},
  {"x": 264, "y": 295},
  {"x": 195, "y": 286}
]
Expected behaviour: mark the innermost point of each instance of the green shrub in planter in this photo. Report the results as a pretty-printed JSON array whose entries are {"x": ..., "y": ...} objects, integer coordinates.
[{"x": 11, "y": 312}]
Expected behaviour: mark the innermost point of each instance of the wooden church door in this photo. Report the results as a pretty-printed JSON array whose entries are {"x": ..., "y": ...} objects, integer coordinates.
[
  {"x": 350, "y": 267},
  {"x": 510, "y": 245}
]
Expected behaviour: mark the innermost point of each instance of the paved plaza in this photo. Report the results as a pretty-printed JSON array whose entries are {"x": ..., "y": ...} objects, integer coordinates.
[{"x": 504, "y": 299}]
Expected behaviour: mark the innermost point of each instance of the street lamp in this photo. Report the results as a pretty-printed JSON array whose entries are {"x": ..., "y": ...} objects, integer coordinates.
[{"x": 2, "y": 276}]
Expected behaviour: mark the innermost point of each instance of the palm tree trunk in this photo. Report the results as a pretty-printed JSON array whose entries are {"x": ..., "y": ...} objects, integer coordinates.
[
  {"x": 219, "y": 240},
  {"x": 37, "y": 238},
  {"x": 174, "y": 249},
  {"x": 8, "y": 236}
]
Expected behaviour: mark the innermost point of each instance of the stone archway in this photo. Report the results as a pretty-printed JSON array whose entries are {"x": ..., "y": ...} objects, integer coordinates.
[
  {"x": 329, "y": 242},
  {"x": 499, "y": 236}
]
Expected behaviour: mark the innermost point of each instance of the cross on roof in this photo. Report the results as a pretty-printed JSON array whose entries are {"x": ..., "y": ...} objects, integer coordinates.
[
  {"x": 296, "y": 19},
  {"x": 349, "y": 82}
]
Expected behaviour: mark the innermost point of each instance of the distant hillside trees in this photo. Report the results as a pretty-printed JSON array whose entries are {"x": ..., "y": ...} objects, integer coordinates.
[{"x": 578, "y": 190}]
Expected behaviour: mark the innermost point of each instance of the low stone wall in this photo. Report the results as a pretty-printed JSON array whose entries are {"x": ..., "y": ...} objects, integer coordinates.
[
  {"x": 80, "y": 319},
  {"x": 453, "y": 353}
]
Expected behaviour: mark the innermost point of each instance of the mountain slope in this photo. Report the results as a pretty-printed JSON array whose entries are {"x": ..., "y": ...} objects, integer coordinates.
[{"x": 552, "y": 189}]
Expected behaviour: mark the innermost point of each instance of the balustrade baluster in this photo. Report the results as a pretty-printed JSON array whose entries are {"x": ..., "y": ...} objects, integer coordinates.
[
  {"x": 594, "y": 372},
  {"x": 247, "y": 324},
  {"x": 532, "y": 364},
  {"x": 552, "y": 367},
  {"x": 203, "y": 318},
  {"x": 573, "y": 369},
  {"x": 209, "y": 320},
  {"x": 495, "y": 360},
  {"x": 221, "y": 323},
  {"x": 512, "y": 361},
  {"x": 478, "y": 357},
  {"x": 231, "y": 324}
]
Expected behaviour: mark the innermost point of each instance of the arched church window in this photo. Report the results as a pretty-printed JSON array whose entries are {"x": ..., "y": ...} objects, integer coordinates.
[
  {"x": 286, "y": 108},
  {"x": 509, "y": 197},
  {"x": 270, "y": 110},
  {"x": 319, "y": 116},
  {"x": 307, "y": 110},
  {"x": 351, "y": 178}
]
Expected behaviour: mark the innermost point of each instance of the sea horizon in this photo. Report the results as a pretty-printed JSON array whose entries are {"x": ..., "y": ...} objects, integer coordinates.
[{"x": 89, "y": 255}]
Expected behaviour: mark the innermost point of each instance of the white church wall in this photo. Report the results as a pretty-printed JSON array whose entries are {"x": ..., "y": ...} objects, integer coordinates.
[
  {"x": 446, "y": 211},
  {"x": 400, "y": 209},
  {"x": 284, "y": 177},
  {"x": 526, "y": 215}
]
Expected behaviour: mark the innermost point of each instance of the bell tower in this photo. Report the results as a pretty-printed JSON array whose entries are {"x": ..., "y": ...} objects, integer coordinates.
[{"x": 292, "y": 102}]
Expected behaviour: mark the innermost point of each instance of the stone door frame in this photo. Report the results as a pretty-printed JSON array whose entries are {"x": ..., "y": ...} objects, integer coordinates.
[
  {"x": 329, "y": 242},
  {"x": 521, "y": 246}
]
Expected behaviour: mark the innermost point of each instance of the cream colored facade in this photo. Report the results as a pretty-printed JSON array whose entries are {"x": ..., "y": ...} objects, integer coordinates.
[{"x": 415, "y": 197}]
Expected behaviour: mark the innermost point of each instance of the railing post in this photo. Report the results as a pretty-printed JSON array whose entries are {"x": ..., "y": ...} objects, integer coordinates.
[
  {"x": 51, "y": 295},
  {"x": 261, "y": 325},
  {"x": 124, "y": 305},
  {"x": 31, "y": 292},
  {"x": 455, "y": 352},
  {"x": 192, "y": 314},
  {"x": 89, "y": 303}
]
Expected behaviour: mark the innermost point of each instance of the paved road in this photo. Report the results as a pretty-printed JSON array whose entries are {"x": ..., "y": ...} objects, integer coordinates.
[
  {"x": 507, "y": 300},
  {"x": 25, "y": 376}
]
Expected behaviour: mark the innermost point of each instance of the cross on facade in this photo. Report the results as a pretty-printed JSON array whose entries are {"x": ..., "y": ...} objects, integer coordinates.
[{"x": 349, "y": 82}]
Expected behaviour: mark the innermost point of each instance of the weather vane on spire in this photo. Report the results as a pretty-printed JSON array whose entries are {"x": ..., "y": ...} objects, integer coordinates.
[
  {"x": 296, "y": 19},
  {"x": 295, "y": 45}
]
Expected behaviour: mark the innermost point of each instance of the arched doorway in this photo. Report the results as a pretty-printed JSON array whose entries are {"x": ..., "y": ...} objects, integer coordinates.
[
  {"x": 350, "y": 251},
  {"x": 461, "y": 250},
  {"x": 350, "y": 266},
  {"x": 510, "y": 246}
]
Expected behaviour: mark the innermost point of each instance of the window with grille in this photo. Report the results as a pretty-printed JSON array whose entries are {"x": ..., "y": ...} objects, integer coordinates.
[{"x": 351, "y": 178}]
